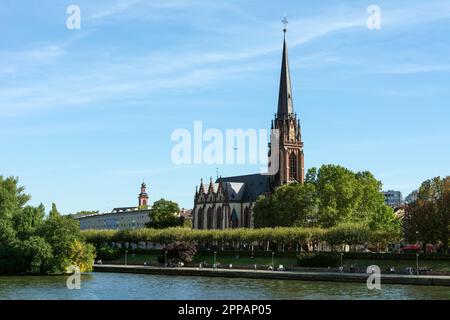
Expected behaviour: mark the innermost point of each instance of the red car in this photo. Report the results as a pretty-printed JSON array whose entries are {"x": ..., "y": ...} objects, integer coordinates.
[{"x": 411, "y": 248}]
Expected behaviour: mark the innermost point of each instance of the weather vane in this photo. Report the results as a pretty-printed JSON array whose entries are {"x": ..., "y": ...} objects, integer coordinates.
[{"x": 285, "y": 22}]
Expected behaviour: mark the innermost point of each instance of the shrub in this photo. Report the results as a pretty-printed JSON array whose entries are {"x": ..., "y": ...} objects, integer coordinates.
[
  {"x": 179, "y": 251},
  {"x": 319, "y": 260},
  {"x": 108, "y": 253}
]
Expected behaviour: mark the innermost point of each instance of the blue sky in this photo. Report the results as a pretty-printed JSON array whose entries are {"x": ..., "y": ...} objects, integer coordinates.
[{"x": 86, "y": 114}]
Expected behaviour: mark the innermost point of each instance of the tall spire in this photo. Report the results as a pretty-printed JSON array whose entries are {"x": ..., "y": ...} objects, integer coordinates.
[{"x": 285, "y": 105}]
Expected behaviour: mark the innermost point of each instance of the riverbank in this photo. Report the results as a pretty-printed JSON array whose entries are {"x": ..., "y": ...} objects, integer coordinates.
[
  {"x": 265, "y": 259},
  {"x": 277, "y": 275}
]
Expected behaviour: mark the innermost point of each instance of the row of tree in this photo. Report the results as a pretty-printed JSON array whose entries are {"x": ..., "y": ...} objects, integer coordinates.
[
  {"x": 330, "y": 196},
  {"x": 349, "y": 234},
  {"x": 30, "y": 242}
]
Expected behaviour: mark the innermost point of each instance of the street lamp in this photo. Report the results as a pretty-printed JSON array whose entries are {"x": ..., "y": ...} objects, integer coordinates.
[
  {"x": 214, "y": 265},
  {"x": 273, "y": 253},
  {"x": 342, "y": 260},
  {"x": 417, "y": 263},
  {"x": 126, "y": 252},
  {"x": 165, "y": 258}
]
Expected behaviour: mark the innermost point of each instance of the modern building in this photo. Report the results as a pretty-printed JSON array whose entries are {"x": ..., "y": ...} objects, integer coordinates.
[
  {"x": 119, "y": 218},
  {"x": 229, "y": 201},
  {"x": 393, "y": 198}
]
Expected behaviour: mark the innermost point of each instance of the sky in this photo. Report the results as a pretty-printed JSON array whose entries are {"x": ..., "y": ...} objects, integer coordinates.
[{"x": 87, "y": 114}]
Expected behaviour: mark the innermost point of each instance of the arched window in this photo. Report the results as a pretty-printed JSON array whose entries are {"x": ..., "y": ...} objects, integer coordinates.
[
  {"x": 246, "y": 218},
  {"x": 209, "y": 219},
  {"x": 226, "y": 211},
  {"x": 219, "y": 218},
  {"x": 234, "y": 219},
  {"x": 200, "y": 218},
  {"x": 292, "y": 167}
]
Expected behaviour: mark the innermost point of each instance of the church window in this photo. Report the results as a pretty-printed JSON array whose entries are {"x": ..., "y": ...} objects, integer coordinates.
[
  {"x": 219, "y": 218},
  {"x": 246, "y": 218},
  {"x": 200, "y": 219},
  {"x": 209, "y": 219},
  {"x": 292, "y": 167}
]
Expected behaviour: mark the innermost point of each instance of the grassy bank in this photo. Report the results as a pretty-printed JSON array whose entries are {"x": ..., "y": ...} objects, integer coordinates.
[{"x": 266, "y": 260}]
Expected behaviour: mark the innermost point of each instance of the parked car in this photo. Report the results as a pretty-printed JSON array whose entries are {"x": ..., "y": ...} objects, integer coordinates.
[{"x": 411, "y": 248}]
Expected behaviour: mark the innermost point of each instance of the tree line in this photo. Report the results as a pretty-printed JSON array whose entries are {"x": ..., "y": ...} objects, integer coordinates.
[
  {"x": 31, "y": 242},
  {"x": 293, "y": 237},
  {"x": 330, "y": 195}
]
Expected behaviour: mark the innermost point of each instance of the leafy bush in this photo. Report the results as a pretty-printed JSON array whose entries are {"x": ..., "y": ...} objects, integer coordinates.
[
  {"x": 319, "y": 260},
  {"x": 179, "y": 251},
  {"x": 108, "y": 253}
]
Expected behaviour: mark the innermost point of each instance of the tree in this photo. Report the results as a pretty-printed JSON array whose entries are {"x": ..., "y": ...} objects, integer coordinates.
[
  {"x": 427, "y": 219},
  {"x": 54, "y": 212},
  {"x": 36, "y": 254},
  {"x": 12, "y": 197},
  {"x": 28, "y": 220},
  {"x": 330, "y": 196},
  {"x": 31, "y": 243},
  {"x": 84, "y": 213},
  {"x": 348, "y": 197},
  {"x": 295, "y": 204},
  {"x": 179, "y": 251},
  {"x": 164, "y": 214},
  {"x": 60, "y": 232}
]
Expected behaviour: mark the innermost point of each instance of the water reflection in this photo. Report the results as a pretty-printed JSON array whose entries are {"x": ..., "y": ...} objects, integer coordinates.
[{"x": 96, "y": 286}]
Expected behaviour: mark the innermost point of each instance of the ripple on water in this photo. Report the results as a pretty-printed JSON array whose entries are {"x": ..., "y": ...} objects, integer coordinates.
[{"x": 95, "y": 286}]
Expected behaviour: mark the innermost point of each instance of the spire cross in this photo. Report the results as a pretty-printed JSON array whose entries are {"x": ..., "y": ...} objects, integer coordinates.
[{"x": 285, "y": 22}]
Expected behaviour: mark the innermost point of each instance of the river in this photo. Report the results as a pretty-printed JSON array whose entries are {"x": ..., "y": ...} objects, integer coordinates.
[{"x": 99, "y": 286}]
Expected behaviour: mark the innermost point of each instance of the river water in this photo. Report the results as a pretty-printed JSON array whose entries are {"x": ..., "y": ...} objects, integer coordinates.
[{"x": 100, "y": 286}]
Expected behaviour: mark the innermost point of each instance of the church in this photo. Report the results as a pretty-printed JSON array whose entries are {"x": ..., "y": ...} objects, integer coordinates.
[{"x": 228, "y": 202}]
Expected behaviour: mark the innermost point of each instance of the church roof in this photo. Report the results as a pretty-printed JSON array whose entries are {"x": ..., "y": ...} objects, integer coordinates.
[
  {"x": 246, "y": 187},
  {"x": 285, "y": 105},
  {"x": 235, "y": 190}
]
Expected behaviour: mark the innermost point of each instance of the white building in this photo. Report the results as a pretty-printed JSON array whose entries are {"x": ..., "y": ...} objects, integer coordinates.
[
  {"x": 119, "y": 218},
  {"x": 393, "y": 198}
]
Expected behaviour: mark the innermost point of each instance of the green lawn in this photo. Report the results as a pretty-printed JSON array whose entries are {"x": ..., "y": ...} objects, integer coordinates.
[
  {"x": 400, "y": 265},
  {"x": 245, "y": 261},
  {"x": 152, "y": 258}
]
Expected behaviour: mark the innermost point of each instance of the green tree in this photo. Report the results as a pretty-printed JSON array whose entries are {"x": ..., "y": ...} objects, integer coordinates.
[
  {"x": 427, "y": 219},
  {"x": 36, "y": 254},
  {"x": 295, "y": 204},
  {"x": 331, "y": 195},
  {"x": 84, "y": 213},
  {"x": 30, "y": 243},
  {"x": 348, "y": 197},
  {"x": 7, "y": 233},
  {"x": 164, "y": 214},
  {"x": 60, "y": 232},
  {"x": 28, "y": 220},
  {"x": 12, "y": 197},
  {"x": 54, "y": 213}
]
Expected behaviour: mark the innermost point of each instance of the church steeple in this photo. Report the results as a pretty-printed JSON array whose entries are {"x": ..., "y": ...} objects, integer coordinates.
[
  {"x": 290, "y": 164},
  {"x": 143, "y": 196},
  {"x": 285, "y": 106}
]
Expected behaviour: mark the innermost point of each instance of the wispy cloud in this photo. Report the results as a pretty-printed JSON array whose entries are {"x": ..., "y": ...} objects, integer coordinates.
[
  {"x": 180, "y": 68},
  {"x": 413, "y": 68}
]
